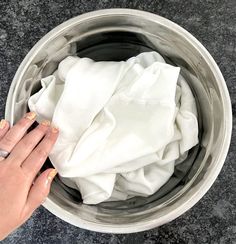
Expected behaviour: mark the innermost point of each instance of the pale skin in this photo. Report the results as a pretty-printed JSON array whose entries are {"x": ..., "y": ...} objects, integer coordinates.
[{"x": 22, "y": 190}]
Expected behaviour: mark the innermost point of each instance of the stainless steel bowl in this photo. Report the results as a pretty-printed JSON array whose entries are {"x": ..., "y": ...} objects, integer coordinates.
[{"x": 116, "y": 34}]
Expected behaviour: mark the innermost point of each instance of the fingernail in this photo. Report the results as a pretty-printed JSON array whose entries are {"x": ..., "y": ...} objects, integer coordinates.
[
  {"x": 3, "y": 123},
  {"x": 52, "y": 174},
  {"x": 31, "y": 115},
  {"x": 54, "y": 129},
  {"x": 45, "y": 122},
  {"x": 44, "y": 200}
]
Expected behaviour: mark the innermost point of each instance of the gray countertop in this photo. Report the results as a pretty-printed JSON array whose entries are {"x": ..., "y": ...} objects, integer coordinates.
[{"x": 212, "y": 22}]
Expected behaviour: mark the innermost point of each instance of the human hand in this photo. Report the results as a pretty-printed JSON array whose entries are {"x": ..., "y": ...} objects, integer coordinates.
[{"x": 21, "y": 190}]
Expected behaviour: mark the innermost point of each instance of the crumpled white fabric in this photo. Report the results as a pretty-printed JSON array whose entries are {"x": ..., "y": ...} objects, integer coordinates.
[{"x": 123, "y": 125}]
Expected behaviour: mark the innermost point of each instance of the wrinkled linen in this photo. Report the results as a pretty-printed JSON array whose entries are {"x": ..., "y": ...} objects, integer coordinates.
[{"x": 123, "y": 125}]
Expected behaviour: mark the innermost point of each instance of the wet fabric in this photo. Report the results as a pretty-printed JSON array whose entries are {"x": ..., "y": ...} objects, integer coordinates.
[{"x": 124, "y": 126}]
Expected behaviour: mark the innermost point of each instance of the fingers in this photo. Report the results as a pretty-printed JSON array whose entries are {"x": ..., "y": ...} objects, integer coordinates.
[
  {"x": 23, "y": 148},
  {"x": 14, "y": 135},
  {"x": 38, "y": 192},
  {"x": 36, "y": 159}
]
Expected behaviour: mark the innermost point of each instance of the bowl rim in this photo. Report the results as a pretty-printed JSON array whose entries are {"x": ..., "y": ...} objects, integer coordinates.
[{"x": 194, "y": 195}]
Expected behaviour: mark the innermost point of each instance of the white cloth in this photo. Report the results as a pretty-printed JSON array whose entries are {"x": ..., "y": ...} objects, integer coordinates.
[{"x": 123, "y": 125}]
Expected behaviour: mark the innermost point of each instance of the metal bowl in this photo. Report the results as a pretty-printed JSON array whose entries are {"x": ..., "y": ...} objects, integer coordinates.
[{"x": 117, "y": 34}]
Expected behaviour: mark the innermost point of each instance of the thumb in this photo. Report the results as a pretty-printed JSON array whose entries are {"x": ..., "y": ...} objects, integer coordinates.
[{"x": 38, "y": 192}]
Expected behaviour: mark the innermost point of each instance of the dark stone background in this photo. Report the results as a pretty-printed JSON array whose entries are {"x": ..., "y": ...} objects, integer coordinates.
[{"x": 212, "y": 22}]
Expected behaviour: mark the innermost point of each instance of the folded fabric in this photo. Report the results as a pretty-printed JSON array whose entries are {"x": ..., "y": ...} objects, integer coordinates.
[{"x": 123, "y": 125}]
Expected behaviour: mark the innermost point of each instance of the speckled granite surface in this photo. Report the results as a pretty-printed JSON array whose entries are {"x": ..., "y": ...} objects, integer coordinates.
[{"x": 213, "y": 22}]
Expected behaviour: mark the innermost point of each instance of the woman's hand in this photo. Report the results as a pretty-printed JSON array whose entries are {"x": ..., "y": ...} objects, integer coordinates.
[{"x": 21, "y": 192}]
